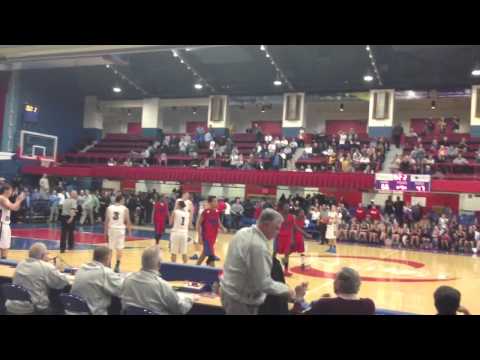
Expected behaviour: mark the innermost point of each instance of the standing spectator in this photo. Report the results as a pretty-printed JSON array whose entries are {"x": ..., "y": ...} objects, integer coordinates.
[
  {"x": 398, "y": 207},
  {"x": 247, "y": 271},
  {"x": 397, "y": 133},
  {"x": 389, "y": 210},
  {"x": 53, "y": 200},
  {"x": 237, "y": 213},
  {"x": 44, "y": 187}
]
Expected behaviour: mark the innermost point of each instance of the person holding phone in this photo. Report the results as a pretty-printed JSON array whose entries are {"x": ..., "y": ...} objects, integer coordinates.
[{"x": 6, "y": 206}]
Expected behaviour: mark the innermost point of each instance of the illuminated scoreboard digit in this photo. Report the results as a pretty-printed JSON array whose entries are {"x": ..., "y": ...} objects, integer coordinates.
[{"x": 403, "y": 182}]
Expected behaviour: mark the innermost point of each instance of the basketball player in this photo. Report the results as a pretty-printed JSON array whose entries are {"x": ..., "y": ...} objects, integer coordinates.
[
  {"x": 286, "y": 237},
  {"x": 179, "y": 221},
  {"x": 6, "y": 207},
  {"x": 117, "y": 220},
  {"x": 334, "y": 219},
  {"x": 160, "y": 215},
  {"x": 207, "y": 228}
]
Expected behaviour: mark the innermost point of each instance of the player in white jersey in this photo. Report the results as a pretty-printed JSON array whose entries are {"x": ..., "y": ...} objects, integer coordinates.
[
  {"x": 117, "y": 221},
  {"x": 180, "y": 222},
  {"x": 6, "y": 206}
]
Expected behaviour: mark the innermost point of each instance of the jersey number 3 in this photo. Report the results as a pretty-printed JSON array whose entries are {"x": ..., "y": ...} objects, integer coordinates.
[
  {"x": 116, "y": 215},
  {"x": 183, "y": 220}
]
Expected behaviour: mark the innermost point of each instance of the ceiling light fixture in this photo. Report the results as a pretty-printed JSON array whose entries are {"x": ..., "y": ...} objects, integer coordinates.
[
  {"x": 194, "y": 111},
  {"x": 117, "y": 89},
  {"x": 198, "y": 86},
  {"x": 368, "y": 78},
  {"x": 434, "y": 105},
  {"x": 342, "y": 108},
  {"x": 262, "y": 47},
  {"x": 263, "y": 109},
  {"x": 476, "y": 70}
]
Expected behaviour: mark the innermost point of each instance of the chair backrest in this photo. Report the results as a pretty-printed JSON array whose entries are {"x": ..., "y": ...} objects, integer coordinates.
[
  {"x": 15, "y": 293},
  {"x": 74, "y": 304},
  {"x": 137, "y": 311}
]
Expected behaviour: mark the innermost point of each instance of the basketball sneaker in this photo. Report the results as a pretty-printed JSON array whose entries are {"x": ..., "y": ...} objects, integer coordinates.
[
  {"x": 194, "y": 257},
  {"x": 287, "y": 273}
]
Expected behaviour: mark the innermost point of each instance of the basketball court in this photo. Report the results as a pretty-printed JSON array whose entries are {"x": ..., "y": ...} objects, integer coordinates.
[{"x": 398, "y": 280}]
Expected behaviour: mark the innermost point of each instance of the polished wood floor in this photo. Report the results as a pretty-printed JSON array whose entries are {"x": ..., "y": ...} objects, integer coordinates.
[{"x": 395, "y": 279}]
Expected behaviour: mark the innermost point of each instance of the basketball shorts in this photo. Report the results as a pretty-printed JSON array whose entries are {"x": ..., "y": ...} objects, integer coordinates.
[
  {"x": 116, "y": 239},
  {"x": 179, "y": 243},
  {"x": 5, "y": 236}
]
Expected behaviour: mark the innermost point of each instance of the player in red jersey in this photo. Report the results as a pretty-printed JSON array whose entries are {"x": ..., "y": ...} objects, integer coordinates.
[
  {"x": 360, "y": 213},
  {"x": 286, "y": 236},
  {"x": 299, "y": 244},
  {"x": 160, "y": 216},
  {"x": 208, "y": 225}
]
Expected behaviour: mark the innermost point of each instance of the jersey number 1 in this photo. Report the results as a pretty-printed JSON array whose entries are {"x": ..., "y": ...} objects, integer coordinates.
[{"x": 183, "y": 220}]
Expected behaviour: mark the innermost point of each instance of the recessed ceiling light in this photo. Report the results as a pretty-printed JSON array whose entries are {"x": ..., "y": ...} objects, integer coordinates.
[
  {"x": 476, "y": 71},
  {"x": 262, "y": 47},
  {"x": 117, "y": 89},
  {"x": 267, "y": 55},
  {"x": 198, "y": 86},
  {"x": 342, "y": 108},
  {"x": 368, "y": 48},
  {"x": 175, "y": 54},
  {"x": 411, "y": 94},
  {"x": 277, "y": 82},
  {"x": 108, "y": 66},
  {"x": 434, "y": 105}
]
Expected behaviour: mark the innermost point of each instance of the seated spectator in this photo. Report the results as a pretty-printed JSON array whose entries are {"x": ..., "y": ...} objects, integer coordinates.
[
  {"x": 293, "y": 145},
  {"x": 37, "y": 275},
  {"x": 301, "y": 137},
  {"x": 96, "y": 282},
  {"x": 428, "y": 164},
  {"x": 434, "y": 146},
  {"x": 447, "y": 301},
  {"x": 452, "y": 152},
  {"x": 442, "y": 154},
  {"x": 284, "y": 142},
  {"x": 208, "y": 137},
  {"x": 462, "y": 145},
  {"x": 456, "y": 124},
  {"x": 163, "y": 159},
  {"x": 272, "y": 148},
  {"x": 329, "y": 151},
  {"x": 111, "y": 162},
  {"x": 128, "y": 162},
  {"x": 316, "y": 149},
  {"x": 342, "y": 139},
  {"x": 309, "y": 151},
  {"x": 396, "y": 163},
  {"x": 268, "y": 138},
  {"x": 477, "y": 156},
  {"x": 166, "y": 141},
  {"x": 346, "y": 287},
  {"x": 442, "y": 125},
  {"x": 460, "y": 160},
  {"x": 146, "y": 289},
  {"x": 346, "y": 163},
  {"x": 187, "y": 139},
  {"x": 309, "y": 168},
  {"x": 443, "y": 141}
]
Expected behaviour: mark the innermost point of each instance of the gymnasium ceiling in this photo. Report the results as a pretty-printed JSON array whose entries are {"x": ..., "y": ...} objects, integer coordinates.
[{"x": 239, "y": 70}]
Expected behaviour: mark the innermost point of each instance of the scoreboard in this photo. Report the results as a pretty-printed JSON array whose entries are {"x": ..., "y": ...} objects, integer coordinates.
[
  {"x": 403, "y": 182},
  {"x": 30, "y": 113}
]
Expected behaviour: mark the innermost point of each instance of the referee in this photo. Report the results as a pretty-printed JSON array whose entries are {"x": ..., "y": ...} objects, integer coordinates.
[{"x": 69, "y": 212}]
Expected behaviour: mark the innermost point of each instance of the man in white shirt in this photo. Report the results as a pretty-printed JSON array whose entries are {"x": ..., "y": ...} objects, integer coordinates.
[
  {"x": 146, "y": 289},
  {"x": 96, "y": 282},
  {"x": 247, "y": 271},
  {"x": 37, "y": 275}
]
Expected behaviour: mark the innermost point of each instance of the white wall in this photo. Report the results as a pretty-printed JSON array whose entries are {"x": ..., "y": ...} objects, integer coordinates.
[
  {"x": 241, "y": 119},
  {"x": 226, "y": 191},
  {"x": 405, "y": 110},
  {"x": 174, "y": 121},
  {"x": 318, "y": 113},
  {"x": 469, "y": 202}
]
